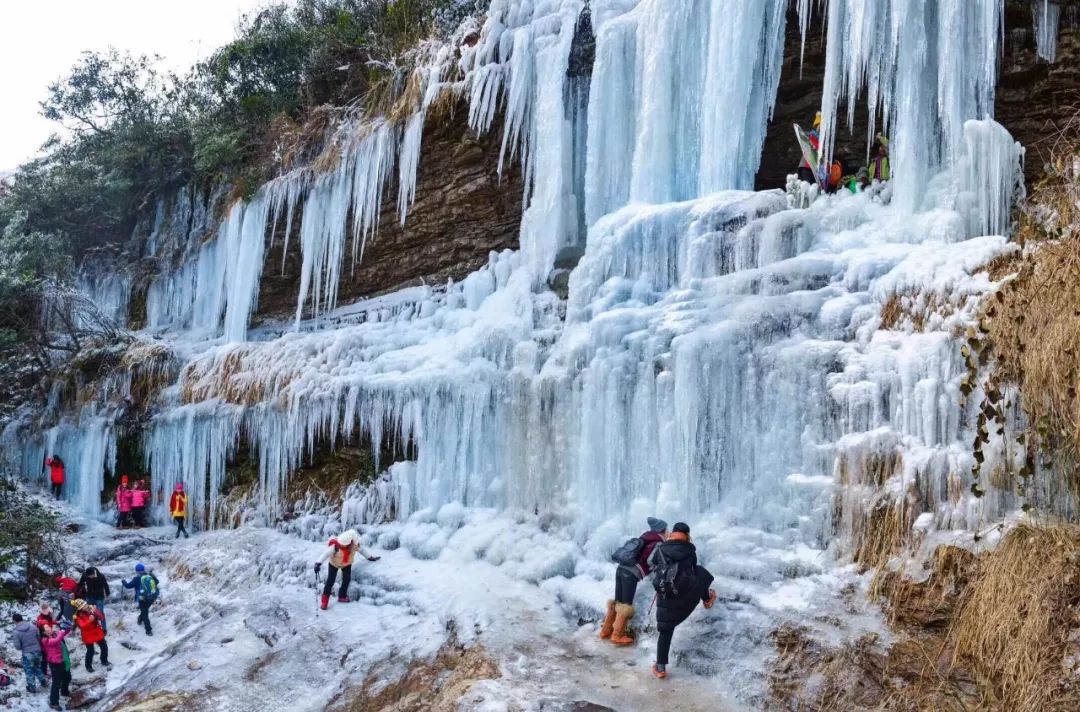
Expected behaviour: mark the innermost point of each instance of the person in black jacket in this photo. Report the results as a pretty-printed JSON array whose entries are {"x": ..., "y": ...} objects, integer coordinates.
[
  {"x": 680, "y": 583},
  {"x": 94, "y": 589}
]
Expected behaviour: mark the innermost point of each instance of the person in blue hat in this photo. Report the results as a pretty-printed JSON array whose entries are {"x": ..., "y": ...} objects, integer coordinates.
[{"x": 145, "y": 584}]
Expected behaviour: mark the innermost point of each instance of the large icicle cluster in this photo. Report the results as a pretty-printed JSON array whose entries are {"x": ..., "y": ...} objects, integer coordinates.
[{"x": 1047, "y": 16}]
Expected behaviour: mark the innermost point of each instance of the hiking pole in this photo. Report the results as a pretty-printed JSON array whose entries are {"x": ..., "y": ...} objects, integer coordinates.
[
  {"x": 651, "y": 605},
  {"x": 318, "y": 603}
]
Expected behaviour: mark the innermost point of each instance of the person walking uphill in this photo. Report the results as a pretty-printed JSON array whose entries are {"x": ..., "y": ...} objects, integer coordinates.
[
  {"x": 633, "y": 560},
  {"x": 25, "y": 638},
  {"x": 146, "y": 592},
  {"x": 56, "y": 474},
  {"x": 56, "y": 653},
  {"x": 341, "y": 552},
  {"x": 178, "y": 509},
  {"x": 88, "y": 620},
  {"x": 680, "y": 583}
]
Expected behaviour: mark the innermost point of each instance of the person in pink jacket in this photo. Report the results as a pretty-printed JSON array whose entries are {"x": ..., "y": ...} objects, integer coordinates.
[
  {"x": 123, "y": 503},
  {"x": 140, "y": 496},
  {"x": 56, "y": 654}
]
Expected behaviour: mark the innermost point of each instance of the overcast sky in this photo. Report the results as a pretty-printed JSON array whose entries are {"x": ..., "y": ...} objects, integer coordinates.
[{"x": 41, "y": 39}]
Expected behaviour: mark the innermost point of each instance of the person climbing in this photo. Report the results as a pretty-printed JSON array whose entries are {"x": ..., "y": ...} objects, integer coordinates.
[
  {"x": 56, "y": 474},
  {"x": 64, "y": 597},
  {"x": 88, "y": 620},
  {"x": 879, "y": 164},
  {"x": 178, "y": 509},
  {"x": 94, "y": 589},
  {"x": 680, "y": 583},
  {"x": 25, "y": 638},
  {"x": 633, "y": 566},
  {"x": 123, "y": 503},
  {"x": 806, "y": 171},
  {"x": 59, "y": 660},
  {"x": 139, "y": 497},
  {"x": 145, "y": 584},
  {"x": 340, "y": 552}
]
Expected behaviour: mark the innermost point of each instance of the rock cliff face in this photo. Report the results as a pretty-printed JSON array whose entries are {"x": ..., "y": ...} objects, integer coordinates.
[
  {"x": 463, "y": 211},
  {"x": 1035, "y": 99}
]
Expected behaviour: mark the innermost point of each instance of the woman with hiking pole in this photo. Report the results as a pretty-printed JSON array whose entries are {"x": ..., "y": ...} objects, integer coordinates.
[{"x": 340, "y": 552}]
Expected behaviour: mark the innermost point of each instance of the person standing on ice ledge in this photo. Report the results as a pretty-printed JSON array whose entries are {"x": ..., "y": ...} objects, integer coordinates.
[
  {"x": 123, "y": 503},
  {"x": 680, "y": 583},
  {"x": 88, "y": 619},
  {"x": 341, "y": 552},
  {"x": 633, "y": 566},
  {"x": 139, "y": 498},
  {"x": 56, "y": 474},
  {"x": 178, "y": 510}
]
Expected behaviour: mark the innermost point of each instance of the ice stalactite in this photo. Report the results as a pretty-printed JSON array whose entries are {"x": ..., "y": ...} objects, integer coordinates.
[
  {"x": 994, "y": 176},
  {"x": 108, "y": 288},
  {"x": 891, "y": 50},
  {"x": 1047, "y": 17}
]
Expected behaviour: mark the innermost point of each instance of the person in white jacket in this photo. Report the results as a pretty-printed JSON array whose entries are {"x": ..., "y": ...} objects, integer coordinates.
[{"x": 341, "y": 552}]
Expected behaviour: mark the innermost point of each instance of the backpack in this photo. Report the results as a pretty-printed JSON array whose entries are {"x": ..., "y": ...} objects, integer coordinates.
[
  {"x": 628, "y": 553},
  {"x": 149, "y": 585},
  {"x": 667, "y": 576}
]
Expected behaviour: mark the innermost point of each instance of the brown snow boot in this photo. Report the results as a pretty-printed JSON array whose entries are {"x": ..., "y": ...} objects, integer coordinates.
[
  {"x": 624, "y": 613},
  {"x": 325, "y": 602},
  {"x": 609, "y": 621}
]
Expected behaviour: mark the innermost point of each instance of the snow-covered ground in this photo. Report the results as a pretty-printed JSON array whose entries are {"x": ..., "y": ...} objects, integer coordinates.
[{"x": 238, "y": 625}]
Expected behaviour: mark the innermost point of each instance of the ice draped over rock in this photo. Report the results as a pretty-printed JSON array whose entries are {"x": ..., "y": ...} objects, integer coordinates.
[{"x": 721, "y": 356}]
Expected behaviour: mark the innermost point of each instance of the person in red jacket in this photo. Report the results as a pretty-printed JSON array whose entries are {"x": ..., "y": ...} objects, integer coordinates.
[
  {"x": 123, "y": 503},
  {"x": 88, "y": 620},
  {"x": 56, "y": 474},
  {"x": 620, "y": 611},
  {"x": 139, "y": 498},
  {"x": 178, "y": 509}
]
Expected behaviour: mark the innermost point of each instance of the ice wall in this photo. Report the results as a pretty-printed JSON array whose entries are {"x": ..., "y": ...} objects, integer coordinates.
[{"x": 720, "y": 354}]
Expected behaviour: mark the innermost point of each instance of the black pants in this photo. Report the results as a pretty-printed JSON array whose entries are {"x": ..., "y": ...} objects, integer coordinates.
[
  {"x": 663, "y": 644},
  {"x": 123, "y": 519},
  {"x": 625, "y": 586},
  {"x": 90, "y": 654},
  {"x": 806, "y": 175},
  {"x": 61, "y": 679},
  {"x": 57, "y": 490},
  {"x": 331, "y": 574},
  {"x": 144, "y": 614},
  {"x": 138, "y": 515},
  {"x": 180, "y": 529}
]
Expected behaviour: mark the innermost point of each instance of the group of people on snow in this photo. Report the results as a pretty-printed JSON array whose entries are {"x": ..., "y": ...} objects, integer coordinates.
[
  {"x": 80, "y": 605},
  {"x": 670, "y": 560},
  {"x": 835, "y": 175},
  {"x": 132, "y": 501}
]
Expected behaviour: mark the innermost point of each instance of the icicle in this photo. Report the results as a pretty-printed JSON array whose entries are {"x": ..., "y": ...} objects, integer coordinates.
[
  {"x": 994, "y": 176},
  {"x": 1047, "y": 17}
]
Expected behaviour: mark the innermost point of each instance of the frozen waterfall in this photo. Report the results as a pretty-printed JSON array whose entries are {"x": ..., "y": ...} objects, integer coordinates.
[{"x": 721, "y": 355}]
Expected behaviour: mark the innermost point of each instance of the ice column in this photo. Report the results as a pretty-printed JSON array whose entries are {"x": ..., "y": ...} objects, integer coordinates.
[{"x": 1047, "y": 17}]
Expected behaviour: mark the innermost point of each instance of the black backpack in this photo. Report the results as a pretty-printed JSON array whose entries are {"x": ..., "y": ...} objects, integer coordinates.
[
  {"x": 628, "y": 553},
  {"x": 666, "y": 575}
]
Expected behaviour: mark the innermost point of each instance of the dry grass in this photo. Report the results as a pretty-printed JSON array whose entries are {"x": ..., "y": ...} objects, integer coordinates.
[
  {"x": 1015, "y": 619},
  {"x": 1033, "y": 323}
]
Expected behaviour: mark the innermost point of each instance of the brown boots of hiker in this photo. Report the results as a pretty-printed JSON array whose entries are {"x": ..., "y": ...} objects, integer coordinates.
[
  {"x": 621, "y": 634},
  {"x": 609, "y": 621}
]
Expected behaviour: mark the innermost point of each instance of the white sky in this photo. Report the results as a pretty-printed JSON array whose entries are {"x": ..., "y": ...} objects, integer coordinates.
[{"x": 41, "y": 39}]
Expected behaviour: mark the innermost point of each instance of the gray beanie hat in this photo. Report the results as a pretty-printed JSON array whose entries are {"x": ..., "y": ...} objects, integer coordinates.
[{"x": 657, "y": 525}]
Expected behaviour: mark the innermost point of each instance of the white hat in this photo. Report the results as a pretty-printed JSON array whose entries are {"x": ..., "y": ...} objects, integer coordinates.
[{"x": 348, "y": 538}]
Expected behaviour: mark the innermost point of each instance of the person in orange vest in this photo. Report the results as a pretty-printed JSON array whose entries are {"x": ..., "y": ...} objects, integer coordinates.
[
  {"x": 56, "y": 474},
  {"x": 178, "y": 510},
  {"x": 341, "y": 552},
  {"x": 123, "y": 503},
  {"x": 88, "y": 620}
]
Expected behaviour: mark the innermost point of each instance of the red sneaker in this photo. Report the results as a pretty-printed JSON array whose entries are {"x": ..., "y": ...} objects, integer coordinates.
[
  {"x": 712, "y": 599},
  {"x": 659, "y": 671}
]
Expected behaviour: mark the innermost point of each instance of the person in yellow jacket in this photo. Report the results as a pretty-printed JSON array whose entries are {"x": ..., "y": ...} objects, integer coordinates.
[
  {"x": 341, "y": 552},
  {"x": 178, "y": 509},
  {"x": 879, "y": 164}
]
